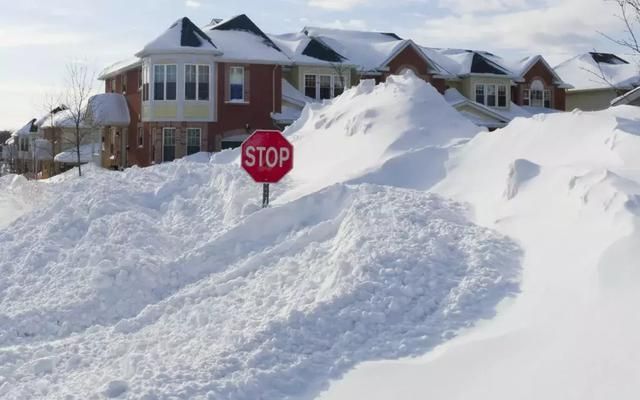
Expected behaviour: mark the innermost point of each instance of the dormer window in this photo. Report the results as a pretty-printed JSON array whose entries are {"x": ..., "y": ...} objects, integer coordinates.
[{"x": 164, "y": 82}]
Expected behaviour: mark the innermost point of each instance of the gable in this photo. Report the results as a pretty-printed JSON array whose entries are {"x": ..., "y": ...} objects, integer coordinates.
[
  {"x": 191, "y": 35},
  {"x": 409, "y": 57}
]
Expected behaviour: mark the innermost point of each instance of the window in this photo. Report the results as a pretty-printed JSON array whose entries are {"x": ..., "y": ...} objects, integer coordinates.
[
  {"x": 325, "y": 87},
  {"x": 196, "y": 82},
  {"x": 491, "y": 95},
  {"x": 24, "y": 144},
  {"x": 537, "y": 94},
  {"x": 236, "y": 84},
  {"x": 547, "y": 98},
  {"x": 203, "y": 82},
  {"x": 140, "y": 80},
  {"x": 168, "y": 144},
  {"x": 310, "y": 86},
  {"x": 140, "y": 136},
  {"x": 145, "y": 83},
  {"x": 193, "y": 140},
  {"x": 113, "y": 85},
  {"x": 480, "y": 94},
  {"x": 164, "y": 82},
  {"x": 525, "y": 97},
  {"x": 502, "y": 96}
]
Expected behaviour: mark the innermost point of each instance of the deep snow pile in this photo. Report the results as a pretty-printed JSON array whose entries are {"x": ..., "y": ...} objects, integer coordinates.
[
  {"x": 170, "y": 282},
  {"x": 567, "y": 188},
  {"x": 17, "y": 196}
]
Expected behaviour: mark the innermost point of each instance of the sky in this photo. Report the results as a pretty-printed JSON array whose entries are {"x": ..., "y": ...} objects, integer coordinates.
[{"x": 39, "y": 38}]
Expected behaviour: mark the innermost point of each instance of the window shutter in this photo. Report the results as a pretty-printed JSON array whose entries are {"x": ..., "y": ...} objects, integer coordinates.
[
  {"x": 227, "y": 82},
  {"x": 247, "y": 89}
]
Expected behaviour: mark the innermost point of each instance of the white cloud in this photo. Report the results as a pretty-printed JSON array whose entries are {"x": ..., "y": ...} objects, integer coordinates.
[
  {"x": 17, "y": 36},
  {"x": 466, "y": 6},
  {"x": 564, "y": 26},
  {"x": 192, "y": 3},
  {"x": 355, "y": 24},
  {"x": 336, "y": 4}
]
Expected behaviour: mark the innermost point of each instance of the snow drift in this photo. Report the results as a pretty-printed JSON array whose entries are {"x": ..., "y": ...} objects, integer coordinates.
[
  {"x": 170, "y": 282},
  {"x": 566, "y": 187}
]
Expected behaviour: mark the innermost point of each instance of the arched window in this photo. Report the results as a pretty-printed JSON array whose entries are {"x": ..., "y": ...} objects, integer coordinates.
[{"x": 537, "y": 95}]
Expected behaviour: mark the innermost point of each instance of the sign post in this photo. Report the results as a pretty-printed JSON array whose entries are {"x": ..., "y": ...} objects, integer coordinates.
[{"x": 267, "y": 156}]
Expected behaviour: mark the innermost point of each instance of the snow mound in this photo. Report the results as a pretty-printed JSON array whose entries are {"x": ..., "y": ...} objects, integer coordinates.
[
  {"x": 567, "y": 188},
  {"x": 396, "y": 133},
  {"x": 171, "y": 282}
]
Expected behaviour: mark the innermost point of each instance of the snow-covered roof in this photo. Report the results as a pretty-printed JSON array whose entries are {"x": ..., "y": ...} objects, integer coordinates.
[
  {"x": 627, "y": 98},
  {"x": 183, "y": 36},
  {"x": 369, "y": 51},
  {"x": 29, "y": 128},
  {"x": 59, "y": 118},
  {"x": 303, "y": 49},
  {"x": 591, "y": 71},
  {"x": 246, "y": 47},
  {"x": 70, "y": 156},
  {"x": 293, "y": 95},
  {"x": 110, "y": 109},
  {"x": 287, "y": 115},
  {"x": 240, "y": 39},
  {"x": 119, "y": 67},
  {"x": 463, "y": 62}
]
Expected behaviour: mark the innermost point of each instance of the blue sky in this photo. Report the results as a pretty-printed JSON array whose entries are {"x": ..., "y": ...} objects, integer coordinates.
[{"x": 38, "y": 38}]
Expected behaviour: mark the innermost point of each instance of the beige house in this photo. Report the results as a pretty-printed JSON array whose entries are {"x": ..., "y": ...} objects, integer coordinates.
[{"x": 597, "y": 79}]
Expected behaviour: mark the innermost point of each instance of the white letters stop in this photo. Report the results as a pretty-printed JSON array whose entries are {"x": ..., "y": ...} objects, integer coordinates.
[{"x": 266, "y": 156}]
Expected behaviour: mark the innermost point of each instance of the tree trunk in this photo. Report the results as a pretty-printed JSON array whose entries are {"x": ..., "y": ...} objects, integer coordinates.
[{"x": 78, "y": 150}]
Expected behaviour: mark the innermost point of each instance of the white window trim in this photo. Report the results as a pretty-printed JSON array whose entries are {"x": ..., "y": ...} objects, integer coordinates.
[
  {"x": 334, "y": 78},
  {"x": 198, "y": 66},
  {"x": 164, "y": 95},
  {"x": 164, "y": 130},
  {"x": 242, "y": 100},
  {"x": 486, "y": 94}
]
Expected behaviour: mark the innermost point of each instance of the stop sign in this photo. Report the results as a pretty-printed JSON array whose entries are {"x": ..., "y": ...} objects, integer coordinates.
[{"x": 267, "y": 156}]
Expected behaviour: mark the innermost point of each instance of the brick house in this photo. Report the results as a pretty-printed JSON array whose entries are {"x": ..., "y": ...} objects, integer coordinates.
[{"x": 193, "y": 89}]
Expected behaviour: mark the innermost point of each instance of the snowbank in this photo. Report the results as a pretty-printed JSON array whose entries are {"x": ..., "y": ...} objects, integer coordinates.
[
  {"x": 171, "y": 282},
  {"x": 567, "y": 188}
]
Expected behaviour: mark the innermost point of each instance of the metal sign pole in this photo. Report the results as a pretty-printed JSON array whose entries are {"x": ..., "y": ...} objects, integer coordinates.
[{"x": 265, "y": 195}]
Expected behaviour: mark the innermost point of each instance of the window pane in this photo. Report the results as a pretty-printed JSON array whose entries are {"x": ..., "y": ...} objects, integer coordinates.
[
  {"x": 236, "y": 83},
  {"x": 547, "y": 98},
  {"x": 310, "y": 86},
  {"x": 203, "y": 82},
  {"x": 536, "y": 98},
  {"x": 325, "y": 87},
  {"x": 502, "y": 96},
  {"x": 193, "y": 140},
  {"x": 171, "y": 82},
  {"x": 491, "y": 95},
  {"x": 338, "y": 86},
  {"x": 190, "y": 82},
  {"x": 525, "y": 97},
  {"x": 480, "y": 94},
  {"x": 169, "y": 144},
  {"x": 158, "y": 82}
]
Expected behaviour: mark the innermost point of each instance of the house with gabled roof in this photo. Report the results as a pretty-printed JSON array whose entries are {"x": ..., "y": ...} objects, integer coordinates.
[
  {"x": 196, "y": 89},
  {"x": 597, "y": 79}
]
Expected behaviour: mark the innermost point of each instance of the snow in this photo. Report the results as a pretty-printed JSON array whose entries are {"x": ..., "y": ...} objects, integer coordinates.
[
  {"x": 293, "y": 44},
  {"x": 584, "y": 73},
  {"x": 170, "y": 42},
  {"x": 109, "y": 109},
  {"x": 119, "y": 67},
  {"x": 171, "y": 282},
  {"x": 367, "y": 50},
  {"x": 87, "y": 152},
  {"x": 246, "y": 47},
  {"x": 292, "y": 95},
  {"x": 565, "y": 187}
]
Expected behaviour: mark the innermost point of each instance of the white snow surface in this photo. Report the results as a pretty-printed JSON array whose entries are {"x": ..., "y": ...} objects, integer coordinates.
[
  {"x": 584, "y": 73},
  {"x": 171, "y": 283},
  {"x": 566, "y": 187}
]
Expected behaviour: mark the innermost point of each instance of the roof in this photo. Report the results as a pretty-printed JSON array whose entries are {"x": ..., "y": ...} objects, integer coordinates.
[
  {"x": 110, "y": 109},
  {"x": 119, "y": 67},
  {"x": 182, "y": 36},
  {"x": 463, "y": 62},
  {"x": 303, "y": 49},
  {"x": 242, "y": 23},
  {"x": 369, "y": 51},
  {"x": 591, "y": 71},
  {"x": 30, "y": 127},
  {"x": 87, "y": 151}
]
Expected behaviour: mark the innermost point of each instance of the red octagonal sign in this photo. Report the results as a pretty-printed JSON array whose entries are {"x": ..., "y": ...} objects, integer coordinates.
[{"x": 267, "y": 156}]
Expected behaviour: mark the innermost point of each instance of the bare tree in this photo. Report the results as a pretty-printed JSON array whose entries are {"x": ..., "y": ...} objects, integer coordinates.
[
  {"x": 629, "y": 14},
  {"x": 341, "y": 71},
  {"x": 79, "y": 88}
]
